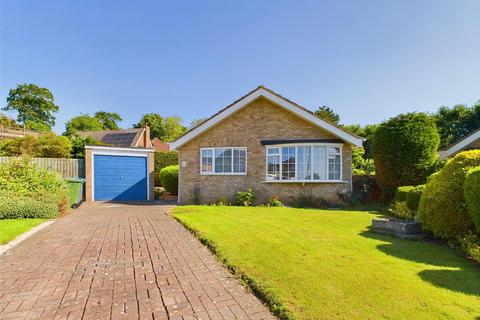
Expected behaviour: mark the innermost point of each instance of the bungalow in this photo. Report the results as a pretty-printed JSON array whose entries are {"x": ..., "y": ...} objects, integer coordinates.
[
  {"x": 269, "y": 143},
  {"x": 472, "y": 141}
]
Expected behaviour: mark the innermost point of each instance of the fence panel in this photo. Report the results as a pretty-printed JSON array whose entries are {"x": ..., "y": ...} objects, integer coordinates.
[{"x": 67, "y": 168}]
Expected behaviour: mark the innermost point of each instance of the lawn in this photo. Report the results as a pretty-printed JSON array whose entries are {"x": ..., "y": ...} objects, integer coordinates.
[
  {"x": 325, "y": 264},
  {"x": 11, "y": 228}
]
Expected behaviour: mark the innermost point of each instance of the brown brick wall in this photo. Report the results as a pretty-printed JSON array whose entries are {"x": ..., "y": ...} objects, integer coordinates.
[{"x": 258, "y": 121}]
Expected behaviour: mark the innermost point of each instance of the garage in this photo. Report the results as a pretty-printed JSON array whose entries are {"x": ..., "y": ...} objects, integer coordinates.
[{"x": 118, "y": 174}]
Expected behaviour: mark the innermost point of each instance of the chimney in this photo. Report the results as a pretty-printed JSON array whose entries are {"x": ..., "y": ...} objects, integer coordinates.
[{"x": 147, "y": 142}]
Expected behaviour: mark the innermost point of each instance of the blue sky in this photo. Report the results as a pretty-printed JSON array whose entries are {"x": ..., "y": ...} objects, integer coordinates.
[{"x": 368, "y": 60}]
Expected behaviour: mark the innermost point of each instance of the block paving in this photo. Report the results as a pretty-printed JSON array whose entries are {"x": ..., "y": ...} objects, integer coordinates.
[{"x": 119, "y": 261}]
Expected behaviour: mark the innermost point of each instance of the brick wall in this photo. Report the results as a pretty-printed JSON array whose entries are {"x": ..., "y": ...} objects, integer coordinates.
[{"x": 258, "y": 121}]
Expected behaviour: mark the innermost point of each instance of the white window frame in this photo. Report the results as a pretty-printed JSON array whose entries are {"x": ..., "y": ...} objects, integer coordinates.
[
  {"x": 311, "y": 180},
  {"x": 213, "y": 173}
]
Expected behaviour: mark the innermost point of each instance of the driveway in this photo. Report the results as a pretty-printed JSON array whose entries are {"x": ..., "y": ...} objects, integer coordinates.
[{"x": 119, "y": 261}]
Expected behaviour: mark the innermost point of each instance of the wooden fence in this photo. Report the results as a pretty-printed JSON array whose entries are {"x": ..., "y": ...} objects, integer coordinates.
[{"x": 67, "y": 168}]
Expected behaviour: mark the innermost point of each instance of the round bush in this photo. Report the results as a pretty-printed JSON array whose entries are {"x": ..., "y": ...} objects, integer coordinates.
[
  {"x": 442, "y": 208},
  {"x": 471, "y": 192},
  {"x": 404, "y": 151},
  {"x": 169, "y": 179},
  {"x": 162, "y": 160}
]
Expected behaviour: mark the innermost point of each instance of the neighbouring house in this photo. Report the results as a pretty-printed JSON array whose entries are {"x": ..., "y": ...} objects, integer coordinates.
[
  {"x": 471, "y": 141},
  {"x": 269, "y": 143},
  {"x": 122, "y": 168},
  {"x": 7, "y": 133},
  {"x": 159, "y": 145}
]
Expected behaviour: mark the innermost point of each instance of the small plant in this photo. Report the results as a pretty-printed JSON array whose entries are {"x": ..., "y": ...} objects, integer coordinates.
[
  {"x": 158, "y": 192},
  {"x": 223, "y": 201},
  {"x": 400, "y": 209},
  {"x": 245, "y": 198},
  {"x": 274, "y": 202},
  {"x": 169, "y": 179}
]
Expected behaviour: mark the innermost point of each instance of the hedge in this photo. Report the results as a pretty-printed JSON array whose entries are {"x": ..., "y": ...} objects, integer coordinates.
[
  {"x": 169, "y": 178},
  {"x": 13, "y": 206},
  {"x": 162, "y": 160},
  {"x": 471, "y": 192},
  {"x": 442, "y": 208},
  {"x": 404, "y": 151},
  {"x": 410, "y": 194}
]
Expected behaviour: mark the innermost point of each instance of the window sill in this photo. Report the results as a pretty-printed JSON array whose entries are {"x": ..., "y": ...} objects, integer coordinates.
[
  {"x": 224, "y": 174},
  {"x": 304, "y": 181}
]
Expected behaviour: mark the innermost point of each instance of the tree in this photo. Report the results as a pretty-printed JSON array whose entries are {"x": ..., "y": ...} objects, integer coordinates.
[
  {"x": 366, "y": 132},
  {"x": 78, "y": 145},
  {"x": 166, "y": 129},
  {"x": 47, "y": 145},
  {"x": 327, "y": 114},
  {"x": 83, "y": 122},
  {"x": 108, "y": 119},
  {"x": 404, "y": 151},
  {"x": 196, "y": 122},
  {"x": 173, "y": 128},
  {"x": 34, "y": 105},
  {"x": 154, "y": 121},
  {"x": 457, "y": 122},
  {"x": 6, "y": 121}
]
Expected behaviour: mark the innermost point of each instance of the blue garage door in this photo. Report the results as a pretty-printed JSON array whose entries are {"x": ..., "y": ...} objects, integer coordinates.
[{"x": 120, "y": 178}]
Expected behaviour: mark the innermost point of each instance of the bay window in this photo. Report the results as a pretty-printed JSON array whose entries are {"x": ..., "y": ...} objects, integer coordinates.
[
  {"x": 223, "y": 161},
  {"x": 304, "y": 163}
]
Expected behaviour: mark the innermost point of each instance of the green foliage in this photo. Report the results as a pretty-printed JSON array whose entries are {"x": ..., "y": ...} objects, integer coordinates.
[
  {"x": 222, "y": 201},
  {"x": 6, "y": 121},
  {"x": 404, "y": 151},
  {"x": 470, "y": 244},
  {"x": 414, "y": 196},
  {"x": 166, "y": 129},
  {"x": 162, "y": 160},
  {"x": 47, "y": 145},
  {"x": 471, "y": 192},
  {"x": 78, "y": 145},
  {"x": 169, "y": 178},
  {"x": 108, "y": 119},
  {"x": 401, "y": 210},
  {"x": 274, "y": 202},
  {"x": 158, "y": 192},
  {"x": 327, "y": 114},
  {"x": 83, "y": 122},
  {"x": 442, "y": 208},
  {"x": 360, "y": 165},
  {"x": 457, "y": 122},
  {"x": 366, "y": 132},
  {"x": 401, "y": 193},
  {"x": 245, "y": 198},
  {"x": 27, "y": 191},
  {"x": 34, "y": 105}
]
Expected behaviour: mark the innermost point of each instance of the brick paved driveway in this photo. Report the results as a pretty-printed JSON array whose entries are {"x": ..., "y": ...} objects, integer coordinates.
[{"x": 112, "y": 261}]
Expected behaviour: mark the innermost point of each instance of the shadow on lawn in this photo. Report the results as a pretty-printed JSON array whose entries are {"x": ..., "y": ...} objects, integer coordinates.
[{"x": 430, "y": 252}]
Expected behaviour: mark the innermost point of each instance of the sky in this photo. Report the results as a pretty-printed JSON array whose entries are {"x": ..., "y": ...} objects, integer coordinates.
[{"x": 368, "y": 60}]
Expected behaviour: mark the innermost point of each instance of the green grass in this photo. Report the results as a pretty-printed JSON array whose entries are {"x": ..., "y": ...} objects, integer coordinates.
[
  {"x": 325, "y": 264},
  {"x": 11, "y": 228}
]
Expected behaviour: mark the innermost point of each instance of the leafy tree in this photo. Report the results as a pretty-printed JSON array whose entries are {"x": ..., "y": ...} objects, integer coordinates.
[
  {"x": 173, "y": 128},
  {"x": 47, "y": 145},
  {"x": 6, "y": 121},
  {"x": 457, "y": 122},
  {"x": 83, "y": 122},
  {"x": 108, "y": 119},
  {"x": 78, "y": 145},
  {"x": 196, "y": 122},
  {"x": 360, "y": 165},
  {"x": 166, "y": 129},
  {"x": 404, "y": 151},
  {"x": 34, "y": 105},
  {"x": 366, "y": 132},
  {"x": 327, "y": 114},
  {"x": 154, "y": 121}
]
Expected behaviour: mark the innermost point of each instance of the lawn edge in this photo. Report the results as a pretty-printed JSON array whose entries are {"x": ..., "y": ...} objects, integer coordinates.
[
  {"x": 23, "y": 236},
  {"x": 274, "y": 304}
]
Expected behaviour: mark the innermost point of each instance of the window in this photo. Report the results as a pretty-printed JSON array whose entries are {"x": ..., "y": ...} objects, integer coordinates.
[
  {"x": 304, "y": 163},
  {"x": 223, "y": 160}
]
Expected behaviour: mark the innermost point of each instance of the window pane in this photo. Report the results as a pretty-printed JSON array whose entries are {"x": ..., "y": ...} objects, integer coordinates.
[
  {"x": 239, "y": 160},
  {"x": 334, "y": 167},
  {"x": 207, "y": 160},
  {"x": 319, "y": 166},
  {"x": 333, "y": 150},
  {"x": 303, "y": 165},
  {"x": 274, "y": 151},
  {"x": 288, "y": 163},
  {"x": 273, "y": 170},
  {"x": 223, "y": 160}
]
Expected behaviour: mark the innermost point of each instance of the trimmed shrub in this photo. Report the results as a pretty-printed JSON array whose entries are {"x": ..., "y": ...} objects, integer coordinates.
[
  {"x": 401, "y": 210},
  {"x": 47, "y": 206},
  {"x": 401, "y": 193},
  {"x": 169, "y": 179},
  {"x": 245, "y": 198},
  {"x": 471, "y": 192},
  {"x": 404, "y": 151},
  {"x": 410, "y": 195},
  {"x": 274, "y": 202},
  {"x": 162, "y": 160},
  {"x": 442, "y": 208}
]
